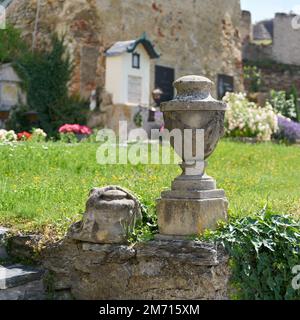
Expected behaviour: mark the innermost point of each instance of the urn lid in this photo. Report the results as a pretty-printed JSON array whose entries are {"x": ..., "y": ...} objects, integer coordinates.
[{"x": 193, "y": 93}]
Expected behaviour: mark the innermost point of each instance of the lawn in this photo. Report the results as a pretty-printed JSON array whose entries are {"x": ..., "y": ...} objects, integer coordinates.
[{"x": 44, "y": 185}]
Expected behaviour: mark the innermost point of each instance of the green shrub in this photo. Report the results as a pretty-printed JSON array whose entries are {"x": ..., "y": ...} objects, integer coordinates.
[
  {"x": 12, "y": 47},
  {"x": 46, "y": 75},
  {"x": 17, "y": 120},
  {"x": 264, "y": 250},
  {"x": 283, "y": 104},
  {"x": 253, "y": 75},
  {"x": 293, "y": 94}
]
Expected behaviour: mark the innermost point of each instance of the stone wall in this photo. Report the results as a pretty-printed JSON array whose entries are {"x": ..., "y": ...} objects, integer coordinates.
[
  {"x": 159, "y": 270},
  {"x": 95, "y": 260},
  {"x": 246, "y": 27},
  {"x": 257, "y": 52},
  {"x": 277, "y": 76},
  {"x": 286, "y": 40},
  {"x": 199, "y": 37}
]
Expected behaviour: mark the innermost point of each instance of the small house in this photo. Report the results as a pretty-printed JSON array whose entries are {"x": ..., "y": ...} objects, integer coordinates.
[{"x": 128, "y": 71}]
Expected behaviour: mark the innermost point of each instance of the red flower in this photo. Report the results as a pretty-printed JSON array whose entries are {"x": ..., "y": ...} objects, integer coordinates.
[{"x": 24, "y": 136}]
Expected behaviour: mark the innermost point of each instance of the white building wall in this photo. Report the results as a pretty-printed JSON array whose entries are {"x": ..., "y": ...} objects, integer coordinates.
[
  {"x": 286, "y": 46},
  {"x": 143, "y": 72},
  {"x": 113, "y": 76}
]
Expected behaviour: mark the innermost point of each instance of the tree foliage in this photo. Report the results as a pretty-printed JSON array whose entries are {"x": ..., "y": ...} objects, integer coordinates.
[
  {"x": 12, "y": 47},
  {"x": 46, "y": 74}
]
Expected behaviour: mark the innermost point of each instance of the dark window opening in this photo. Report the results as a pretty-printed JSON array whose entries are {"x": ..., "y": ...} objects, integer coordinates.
[
  {"x": 225, "y": 84},
  {"x": 164, "y": 78},
  {"x": 136, "y": 61}
]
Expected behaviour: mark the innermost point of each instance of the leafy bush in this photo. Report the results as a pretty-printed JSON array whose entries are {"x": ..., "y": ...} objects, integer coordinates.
[
  {"x": 293, "y": 94},
  {"x": 264, "y": 249},
  {"x": 45, "y": 75},
  {"x": 246, "y": 119},
  {"x": 17, "y": 120},
  {"x": 253, "y": 75},
  {"x": 283, "y": 104},
  {"x": 69, "y": 137},
  {"x": 289, "y": 130}
]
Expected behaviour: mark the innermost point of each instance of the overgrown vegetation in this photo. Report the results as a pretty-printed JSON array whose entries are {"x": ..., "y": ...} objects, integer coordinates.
[
  {"x": 253, "y": 75},
  {"x": 12, "y": 47},
  {"x": 284, "y": 104},
  {"x": 45, "y": 74},
  {"x": 264, "y": 249}
]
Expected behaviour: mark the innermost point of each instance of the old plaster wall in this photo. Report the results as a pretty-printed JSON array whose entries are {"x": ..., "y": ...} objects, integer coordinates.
[{"x": 200, "y": 37}]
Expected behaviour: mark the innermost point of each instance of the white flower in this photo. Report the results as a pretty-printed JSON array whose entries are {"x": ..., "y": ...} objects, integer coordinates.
[
  {"x": 3, "y": 134},
  {"x": 39, "y": 135},
  {"x": 247, "y": 118},
  {"x": 10, "y": 136}
]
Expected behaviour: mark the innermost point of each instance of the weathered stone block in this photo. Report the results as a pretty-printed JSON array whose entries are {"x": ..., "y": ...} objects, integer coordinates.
[
  {"x": 30, "y": 291},
  {"x": 187, "y": 217},
  {"x": 16, "y": 275},
  {"x": 111, "y": 212}
]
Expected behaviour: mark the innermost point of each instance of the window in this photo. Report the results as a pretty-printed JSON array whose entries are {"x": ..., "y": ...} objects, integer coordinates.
[
  {"x": 225, "y": 84},
  {"x": 134, "y": 89},
  {"x": 135, "y": 61}
]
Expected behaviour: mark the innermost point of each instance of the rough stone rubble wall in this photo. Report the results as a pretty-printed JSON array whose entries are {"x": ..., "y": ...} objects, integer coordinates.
[
  {"x": 153, "y": 270},
  {"x": 277, "y": 78},
  {"x": 200, "y": 37}
]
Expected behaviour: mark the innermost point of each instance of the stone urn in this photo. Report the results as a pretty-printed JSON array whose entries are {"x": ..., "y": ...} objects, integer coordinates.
[{"x": 194, "y": 204}]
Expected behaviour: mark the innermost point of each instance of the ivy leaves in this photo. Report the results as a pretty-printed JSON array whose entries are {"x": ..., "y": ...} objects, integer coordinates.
[{"x": 264, "y": 249}]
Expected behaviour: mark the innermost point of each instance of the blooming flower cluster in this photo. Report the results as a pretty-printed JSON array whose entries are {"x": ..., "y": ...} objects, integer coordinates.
[
  {"x": 246, "y": 119},
  {"x": 24, "y": 136},
  {"x": 75, "y": 128},
  {"x": 37, "y": 135},
  {"x": 288, "y": 129},
  {"x": 8, "y": 136}
]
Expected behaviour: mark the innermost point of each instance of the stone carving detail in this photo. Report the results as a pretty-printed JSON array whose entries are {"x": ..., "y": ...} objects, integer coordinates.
[{"x": 111, "y": 212}]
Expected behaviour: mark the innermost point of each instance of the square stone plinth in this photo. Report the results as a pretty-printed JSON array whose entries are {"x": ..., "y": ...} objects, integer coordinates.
[{"x": 186, "y": 217}]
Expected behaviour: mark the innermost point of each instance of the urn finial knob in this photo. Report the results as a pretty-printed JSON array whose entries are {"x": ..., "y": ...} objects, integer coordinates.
[{"x": 195, "y": 87}]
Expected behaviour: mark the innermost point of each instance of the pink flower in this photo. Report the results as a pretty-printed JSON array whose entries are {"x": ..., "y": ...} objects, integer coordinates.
[
  {"x": 75, "y": 128},
  {"x": 85, "y": 130}
]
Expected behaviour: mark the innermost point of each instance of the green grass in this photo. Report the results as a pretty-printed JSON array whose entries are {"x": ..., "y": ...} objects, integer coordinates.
[{"x": 48, "y": 185}]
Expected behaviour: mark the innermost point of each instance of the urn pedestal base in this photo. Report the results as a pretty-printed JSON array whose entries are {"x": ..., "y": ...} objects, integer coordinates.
[
  {"x": 187, "y": 217},
  {"x": 192, "y": 206}
]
